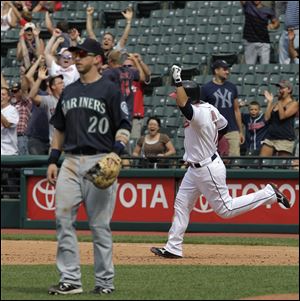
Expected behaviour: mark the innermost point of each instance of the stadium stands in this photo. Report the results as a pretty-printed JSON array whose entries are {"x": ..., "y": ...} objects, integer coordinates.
[{"x": 189, "y": 33}]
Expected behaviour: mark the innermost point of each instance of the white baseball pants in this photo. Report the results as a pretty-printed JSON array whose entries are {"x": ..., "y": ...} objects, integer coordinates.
[{"x": 210, "y": 180}]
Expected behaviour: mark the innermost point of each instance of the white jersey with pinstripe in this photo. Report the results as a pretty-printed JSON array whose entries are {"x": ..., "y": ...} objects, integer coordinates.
[{"x": 202, "y": 131}]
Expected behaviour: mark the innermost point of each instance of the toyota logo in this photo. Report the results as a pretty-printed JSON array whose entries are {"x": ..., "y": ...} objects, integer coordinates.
[{"x": 44, "y": 195}]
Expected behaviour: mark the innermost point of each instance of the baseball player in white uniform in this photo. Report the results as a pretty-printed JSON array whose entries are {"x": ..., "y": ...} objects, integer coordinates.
[{"x": 206, "y": 173}]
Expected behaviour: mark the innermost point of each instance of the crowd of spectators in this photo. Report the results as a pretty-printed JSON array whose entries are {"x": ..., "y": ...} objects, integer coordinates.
[{"x": 47, "y": 66}]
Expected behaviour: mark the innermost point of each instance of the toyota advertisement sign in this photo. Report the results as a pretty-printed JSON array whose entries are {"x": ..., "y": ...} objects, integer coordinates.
[{"x": 152, "y": 200}]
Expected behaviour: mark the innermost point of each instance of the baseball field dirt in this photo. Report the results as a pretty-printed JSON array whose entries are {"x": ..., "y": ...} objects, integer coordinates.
[{"x": 24, "y": 252}]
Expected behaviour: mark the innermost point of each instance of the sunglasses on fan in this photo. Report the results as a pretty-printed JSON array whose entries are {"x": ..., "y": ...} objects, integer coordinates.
[{"x": 66, "y": 57}]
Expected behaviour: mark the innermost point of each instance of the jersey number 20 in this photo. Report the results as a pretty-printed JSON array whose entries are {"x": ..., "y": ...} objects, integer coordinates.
[{"x": 102, "y": 125}]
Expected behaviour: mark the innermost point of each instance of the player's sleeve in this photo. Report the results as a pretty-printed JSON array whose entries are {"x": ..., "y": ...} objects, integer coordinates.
[
  {"x": 119, "y": 111},
  {"x": 58, "y": 118},
  {"x": 221, "y": 121},
  {"x": 200, "y": 115},
  {"x": 187, "y": 110},
  {"x": 125, "y": 122}
]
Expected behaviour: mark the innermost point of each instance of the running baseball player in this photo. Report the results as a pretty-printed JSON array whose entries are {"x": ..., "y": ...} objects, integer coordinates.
[
  {"x": 90, "y": 121},
  {"x": 206, "y": 173}
]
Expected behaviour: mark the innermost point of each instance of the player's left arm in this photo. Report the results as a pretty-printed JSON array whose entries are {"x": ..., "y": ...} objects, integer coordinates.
[
  {"x": 56, "y": 149},
  {"x": 238, "y": 118},
  {"x": 222, "y": 125},
  {"x": 57, "y": 139},
  {"x": 184, "y": 104},
  {"x": 120, "y": 118},
  {"x": 220, "y": 121},
  {"x": 181, "y": 97}
]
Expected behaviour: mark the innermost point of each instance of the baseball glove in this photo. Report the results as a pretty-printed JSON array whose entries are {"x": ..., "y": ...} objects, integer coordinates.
[{"x": 106, "y": 171}]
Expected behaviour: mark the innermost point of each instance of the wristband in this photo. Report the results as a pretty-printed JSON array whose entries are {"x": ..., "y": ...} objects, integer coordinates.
[
  {"x": 118, "y": 147},
  {"x": 54, "y": 156},
  {"x": 178, "y": 84}
]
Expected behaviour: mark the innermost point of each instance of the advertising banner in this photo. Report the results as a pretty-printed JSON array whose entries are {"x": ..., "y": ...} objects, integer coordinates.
[{"x": 152, "y": 200}]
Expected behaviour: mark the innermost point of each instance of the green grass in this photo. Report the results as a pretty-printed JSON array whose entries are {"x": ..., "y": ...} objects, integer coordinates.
[
  {"x": 222, "y": 240},
  {"x": 157, "y": 282}
]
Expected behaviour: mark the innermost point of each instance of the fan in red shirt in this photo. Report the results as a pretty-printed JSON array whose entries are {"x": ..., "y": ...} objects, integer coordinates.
[{"x": 138, "y": 104}]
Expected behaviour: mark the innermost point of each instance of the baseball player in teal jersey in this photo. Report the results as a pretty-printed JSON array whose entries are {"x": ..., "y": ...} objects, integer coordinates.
[
  {"x": 206, "y": 173},
  {"x": 90, "y": 121}
]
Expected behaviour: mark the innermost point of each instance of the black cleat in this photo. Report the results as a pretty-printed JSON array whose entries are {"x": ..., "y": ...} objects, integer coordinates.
[
  {"x": 163, "y": 253},
  {"x": 100, "y": 290},
  {"x": 281, "y": 198},
  {"x": 65, "y": 289}
]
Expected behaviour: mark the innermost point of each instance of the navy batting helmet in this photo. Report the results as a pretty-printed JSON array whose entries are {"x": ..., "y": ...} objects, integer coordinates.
[{"x": 192, "y": 90}]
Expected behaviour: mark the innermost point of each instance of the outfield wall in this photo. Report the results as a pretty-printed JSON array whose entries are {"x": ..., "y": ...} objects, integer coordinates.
[{"x": 145, "y": 199}]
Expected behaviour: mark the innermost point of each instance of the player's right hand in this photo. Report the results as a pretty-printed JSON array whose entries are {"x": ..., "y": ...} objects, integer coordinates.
[
  {"x": 52, "y": 174},
  {"x": 176, "y": 73}
]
